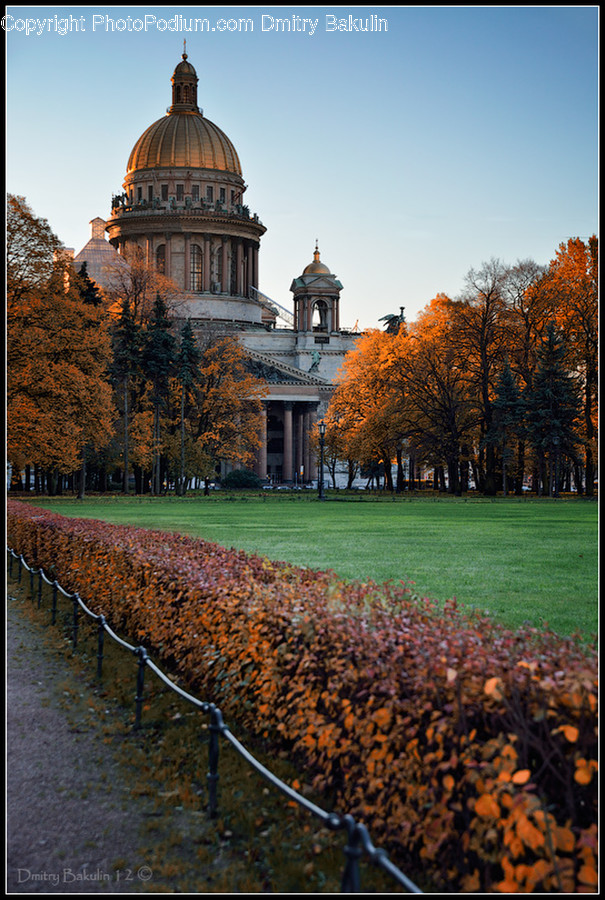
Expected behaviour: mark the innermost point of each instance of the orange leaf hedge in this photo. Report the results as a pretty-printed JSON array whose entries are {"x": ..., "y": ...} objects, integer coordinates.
[{"x": 469, "y": 750}]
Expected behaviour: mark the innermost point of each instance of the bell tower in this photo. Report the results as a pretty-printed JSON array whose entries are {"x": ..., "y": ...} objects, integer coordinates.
[{"x": 317, "y": 300}]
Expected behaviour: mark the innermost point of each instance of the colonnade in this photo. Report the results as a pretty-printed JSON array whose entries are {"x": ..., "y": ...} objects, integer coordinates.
[
  {"x": 226, "y": 261},
  {"x": 286, "y": 454}
]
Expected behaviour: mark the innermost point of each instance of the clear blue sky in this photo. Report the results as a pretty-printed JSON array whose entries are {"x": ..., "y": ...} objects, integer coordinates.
[{"x": 412, "y": 154}]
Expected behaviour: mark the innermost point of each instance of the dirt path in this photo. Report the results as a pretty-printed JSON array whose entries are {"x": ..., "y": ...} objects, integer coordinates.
[{"x": 73, "y": 823}]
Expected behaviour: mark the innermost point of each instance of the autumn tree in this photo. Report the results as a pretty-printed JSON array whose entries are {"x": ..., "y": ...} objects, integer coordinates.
[
  {"x": 367, "y": 405},
  {"x": 441, "y": 413},
  {"x": 480, "y": 337},
  {"x": 569, "y": 288},
  {"x": 527, "y": 315},
  {"x": 58, "y": 351},
  {"x": 221, "y": 406},
  {"x": 31, "y": 246},
  {"x": 134, "y": 280}
]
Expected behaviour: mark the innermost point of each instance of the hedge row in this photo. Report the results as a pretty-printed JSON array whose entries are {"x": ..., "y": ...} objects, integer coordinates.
[{"x": 469, "y": 750}]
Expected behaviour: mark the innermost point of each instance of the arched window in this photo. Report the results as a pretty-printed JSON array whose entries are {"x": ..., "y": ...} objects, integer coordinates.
[
  {"x": 196, "y": 273},
  {"x": 160, "y": 259},
  {"x": 320, "y": 316}
]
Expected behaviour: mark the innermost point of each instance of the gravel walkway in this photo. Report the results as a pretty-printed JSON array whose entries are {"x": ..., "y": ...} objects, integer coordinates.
[{"x": 73, "y": 825}]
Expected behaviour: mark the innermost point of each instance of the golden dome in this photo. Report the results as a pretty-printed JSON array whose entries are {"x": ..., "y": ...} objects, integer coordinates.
[
  {"x": 316, "y": 267},
  {"x": 184, "y": 139}
]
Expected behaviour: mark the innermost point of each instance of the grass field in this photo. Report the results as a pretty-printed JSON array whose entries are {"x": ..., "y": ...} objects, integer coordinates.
[{"x": 524, "y": 560}]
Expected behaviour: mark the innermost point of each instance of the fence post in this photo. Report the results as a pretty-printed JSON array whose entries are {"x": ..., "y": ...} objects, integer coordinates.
[
  {"x": 10, "y": 563},
  {"x": 31, "y": 584},
  {"x": 74, "y": 634},
  {"x": 216, "y": 725},
  {"x": 100, "y": 640},
  {"x": 142, "y": 655},
  {"x": 53, "y": 608},
  {"x": 39, "y": 588},
  {"x": 20, "y": 567},
  {"x": 351, "y": 882}
]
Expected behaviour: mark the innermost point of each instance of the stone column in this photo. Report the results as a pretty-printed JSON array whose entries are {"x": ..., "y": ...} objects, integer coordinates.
[
  {"x": 207, "y": 263},
  {"x": 187, "y": 272},
  {"x": 249, "y": 275},
  {"x": 225, "y": 286},
  {"x": 299, "y": 446},
  {"x": 239, "y": 271},
  {"x": 255, "y": 266},
  {"x": 287, "y": 474},
  {"x": 168, "y": 257}
]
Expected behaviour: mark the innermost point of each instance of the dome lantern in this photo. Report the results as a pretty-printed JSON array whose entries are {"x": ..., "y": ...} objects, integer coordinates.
[{"x": 184, "y": 87}]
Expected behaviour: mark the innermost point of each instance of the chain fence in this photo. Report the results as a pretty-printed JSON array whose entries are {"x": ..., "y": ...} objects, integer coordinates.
[{"x": 358, "y": 840}]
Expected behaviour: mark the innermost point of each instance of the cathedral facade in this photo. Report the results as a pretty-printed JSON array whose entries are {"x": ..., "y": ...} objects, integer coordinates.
[{"x": 182, "y": 205}]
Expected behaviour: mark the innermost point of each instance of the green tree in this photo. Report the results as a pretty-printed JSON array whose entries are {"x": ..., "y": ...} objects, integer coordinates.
[
  {"x": 158, "y": 358},
  {"x": 187, "y": 374},
  {"x": 507, "y": 418},
  {"x": 552, "y": 409},
  {"x": 126, "y": 346},
  {"x": 89, "y": 290}
]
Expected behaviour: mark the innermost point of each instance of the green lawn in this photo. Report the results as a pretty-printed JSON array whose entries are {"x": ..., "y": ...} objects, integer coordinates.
[{"x": 521, "y": 559}]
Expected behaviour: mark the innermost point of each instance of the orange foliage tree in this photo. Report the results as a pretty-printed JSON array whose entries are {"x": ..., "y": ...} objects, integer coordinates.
[
  {"x": 431, "y": 388},
  {"x": 217, "y": 414},
  {"x": 441, "y": 411},
  {"x": 58, "y": 350},
  {"x": 365, "y": 416}
]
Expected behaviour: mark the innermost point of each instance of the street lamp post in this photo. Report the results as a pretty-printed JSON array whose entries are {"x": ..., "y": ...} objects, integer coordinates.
[{"x": 321, "y": 427}]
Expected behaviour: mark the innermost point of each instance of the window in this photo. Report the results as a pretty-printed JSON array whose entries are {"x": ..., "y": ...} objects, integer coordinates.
[
  {"x": 195, "y": 192},
  {"x": 160, "y": 259},
  {"x": 196, "y": 280},
  {"x": 320, "y": 315},
  {"x": 209, "y": 193},
  {"x": 180, "y": 192},
  {"x": 139, "y": 194},
  {"x": 150, "y": 193},
  {"x": 222, "y": 195},
  {"x": 164, "y": 192}
]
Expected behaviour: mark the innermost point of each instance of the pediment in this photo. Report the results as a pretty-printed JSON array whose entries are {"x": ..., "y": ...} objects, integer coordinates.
[
  {"x": 312, "y": 283},
  {"x": 276, "y": 372}
]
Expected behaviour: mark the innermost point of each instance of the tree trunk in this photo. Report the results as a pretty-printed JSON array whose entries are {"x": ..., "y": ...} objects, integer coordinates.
[
  {"x": 520, "y": 468},
  {"x": 400, "y": 473},
  {"x": 125, "y": 484},
  {"x": 82, "y": 477}
]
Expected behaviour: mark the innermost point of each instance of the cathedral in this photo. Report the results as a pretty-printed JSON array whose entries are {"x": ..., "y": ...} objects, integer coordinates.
[{"x": 183, "y": 205}]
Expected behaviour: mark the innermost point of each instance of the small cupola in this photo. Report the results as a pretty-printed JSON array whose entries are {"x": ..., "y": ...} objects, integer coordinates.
[{"x": 184, "y": 88}]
